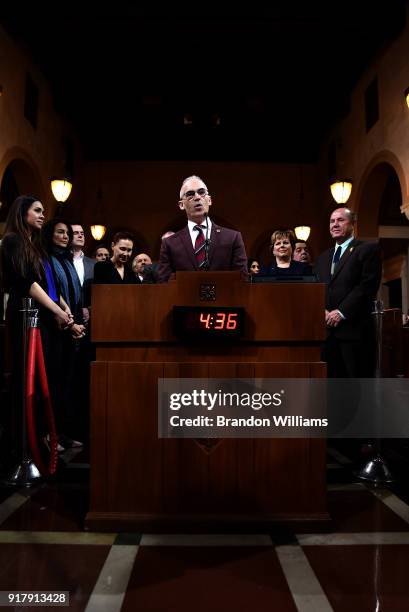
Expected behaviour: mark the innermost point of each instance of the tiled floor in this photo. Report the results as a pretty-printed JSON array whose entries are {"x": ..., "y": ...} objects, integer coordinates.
[{"x": 359, "y": 563}]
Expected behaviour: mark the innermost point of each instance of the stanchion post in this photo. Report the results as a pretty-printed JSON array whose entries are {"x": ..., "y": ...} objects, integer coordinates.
[
  {"x": 25, "y": 473},
  {"x": 376, "y": 470}
]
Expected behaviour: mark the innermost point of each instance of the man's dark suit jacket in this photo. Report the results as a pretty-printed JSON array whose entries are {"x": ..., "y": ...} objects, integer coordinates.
[
  {"x": 226, "y": 252},
  {"x": 353, "y": 286},
  {"x": 149, "y": 275},
  {"x": 89, "y": 264}
]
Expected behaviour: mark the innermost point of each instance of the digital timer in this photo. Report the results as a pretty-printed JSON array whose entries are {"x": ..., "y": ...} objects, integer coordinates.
[
  {"x": 208, "y": 321},
  {"x": 220, "y": 320}
]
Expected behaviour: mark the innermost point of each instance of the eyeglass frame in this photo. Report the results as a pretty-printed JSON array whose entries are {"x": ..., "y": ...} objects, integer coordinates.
[{"x": 189, "y": 195}]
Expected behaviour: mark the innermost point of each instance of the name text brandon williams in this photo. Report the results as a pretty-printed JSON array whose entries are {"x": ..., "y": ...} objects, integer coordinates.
[{"x": 252, "y": 421}]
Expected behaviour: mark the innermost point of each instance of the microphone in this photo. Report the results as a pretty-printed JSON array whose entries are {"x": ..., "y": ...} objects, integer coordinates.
[{"x": 206, "y": 244}]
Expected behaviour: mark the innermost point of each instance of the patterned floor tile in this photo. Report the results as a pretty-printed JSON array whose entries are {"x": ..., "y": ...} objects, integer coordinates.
[
  {"x": 363, "y": 578},
  {"x": 179, "y": 579},
  {"x": 360, "y": 511},
  {"x": 52, "y": 567},
  {"x": 52, "y": 508}
]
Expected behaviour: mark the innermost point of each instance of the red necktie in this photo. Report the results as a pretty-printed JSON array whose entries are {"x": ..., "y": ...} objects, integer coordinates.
[{"x": 199, "y": 246}]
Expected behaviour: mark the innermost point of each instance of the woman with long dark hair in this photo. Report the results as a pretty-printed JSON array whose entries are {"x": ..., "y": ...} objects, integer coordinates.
[
  {"x": 56, "y": 237},
  {"x": 27, "y": 272}
]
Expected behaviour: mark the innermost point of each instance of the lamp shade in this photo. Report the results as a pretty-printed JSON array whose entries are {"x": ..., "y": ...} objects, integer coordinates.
[
  {"x": 98, "y": 232},
  {"x": 302, "y": 232},
  {"x": 61, "y": 189},
  {"x": 341, "y": 190},
  {"x": 407, "y": 96}
]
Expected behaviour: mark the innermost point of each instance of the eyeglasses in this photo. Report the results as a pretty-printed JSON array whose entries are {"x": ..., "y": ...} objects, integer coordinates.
[{"x": 191, "y": 194}]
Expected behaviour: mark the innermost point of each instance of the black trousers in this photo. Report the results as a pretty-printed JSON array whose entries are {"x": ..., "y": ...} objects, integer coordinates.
[{"x": 350, "y": 358}]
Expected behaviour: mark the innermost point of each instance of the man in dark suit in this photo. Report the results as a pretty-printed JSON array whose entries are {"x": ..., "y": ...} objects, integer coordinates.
[
  {"x": 351, "y": 271},
  {"x": 143, "y": 270},
  {"x": 201, "y": 245},
  {"x": 84, "y": 266}
]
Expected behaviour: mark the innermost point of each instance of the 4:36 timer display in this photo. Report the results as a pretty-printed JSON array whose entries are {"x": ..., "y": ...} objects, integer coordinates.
[
  {"x": 219, "y": 320},
  {"x": 208, "y": 321}
]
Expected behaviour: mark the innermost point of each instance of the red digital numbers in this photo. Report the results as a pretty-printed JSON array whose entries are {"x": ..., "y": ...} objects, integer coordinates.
[
  {"x": 232, "y": 321},
  {"x": 205, "y": 318},
  {"x": 218, "y": 321}
]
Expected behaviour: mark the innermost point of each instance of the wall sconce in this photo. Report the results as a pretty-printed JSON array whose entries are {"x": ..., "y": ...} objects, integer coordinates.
[
  {"x": 98, "y": 232},
  {"x": 61, "y": 189},
  {"x": 302, "y": 232},
  {"x": 341, "y": 190},
  {"x": 407, "y": 96}
]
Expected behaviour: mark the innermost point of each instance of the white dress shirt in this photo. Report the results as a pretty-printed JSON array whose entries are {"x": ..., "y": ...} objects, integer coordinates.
[
  {"x": 194, "y": 233},
  {"x": 78, "y": 262}
]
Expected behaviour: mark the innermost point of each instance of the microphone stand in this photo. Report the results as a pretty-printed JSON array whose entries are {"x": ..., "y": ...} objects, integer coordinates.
[{"x": 206, "y": 246}]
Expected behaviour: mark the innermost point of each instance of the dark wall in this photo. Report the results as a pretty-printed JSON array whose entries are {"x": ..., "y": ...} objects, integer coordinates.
[{"x": 255, "y": 198}]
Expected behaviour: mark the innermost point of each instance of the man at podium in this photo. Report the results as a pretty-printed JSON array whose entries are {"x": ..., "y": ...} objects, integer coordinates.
[{"x": 201, "y": 245}]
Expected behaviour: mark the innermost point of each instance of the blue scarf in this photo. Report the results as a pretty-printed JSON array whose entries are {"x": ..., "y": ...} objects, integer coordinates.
[
  {"x": 68, "y": 278},
  {"x": 51, "y": 286}
]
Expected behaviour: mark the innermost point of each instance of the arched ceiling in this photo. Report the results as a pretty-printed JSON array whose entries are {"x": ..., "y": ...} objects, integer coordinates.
[{"x": 198, "y": 81}]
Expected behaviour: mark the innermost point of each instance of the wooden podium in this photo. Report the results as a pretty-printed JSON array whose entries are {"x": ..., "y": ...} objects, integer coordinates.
[{"x": 139, "y": 481}]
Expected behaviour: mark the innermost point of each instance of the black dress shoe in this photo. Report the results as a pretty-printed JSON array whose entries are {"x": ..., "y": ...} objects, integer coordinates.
[
  {"x": 47, "y": 442},
  {"x": 68, "y": 442}
]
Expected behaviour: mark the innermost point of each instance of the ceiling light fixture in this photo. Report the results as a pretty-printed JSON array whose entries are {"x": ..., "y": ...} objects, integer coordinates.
[
  {"x": 341, "y": 190},
  {"x": 98, "y": 232},
  {"x": 61, "y": 188},
  {"x": 98, "y": 229},
  {"x": 302, "y": 232}
]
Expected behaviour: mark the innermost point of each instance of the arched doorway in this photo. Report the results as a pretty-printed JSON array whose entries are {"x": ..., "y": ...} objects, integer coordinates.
[
  {"x": 18, "y": 178},
  {"x": 379, "y": 215}
]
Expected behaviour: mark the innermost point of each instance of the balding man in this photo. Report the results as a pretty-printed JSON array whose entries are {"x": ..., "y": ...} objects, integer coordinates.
[
  {"x": 201, "y": 245},
  {"x": 142, "y": 267},
  {"x": 351, "y": 269}
]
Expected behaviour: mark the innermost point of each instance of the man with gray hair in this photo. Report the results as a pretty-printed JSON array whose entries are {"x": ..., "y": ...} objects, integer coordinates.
[
  {"x": 143, "y": 270},
  {"x": 351, "y": 270},
  {"x": 201, "y": 245}
]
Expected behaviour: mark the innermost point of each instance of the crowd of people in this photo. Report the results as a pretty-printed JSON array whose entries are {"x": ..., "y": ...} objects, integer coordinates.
[{"x": 46, "y": 261}]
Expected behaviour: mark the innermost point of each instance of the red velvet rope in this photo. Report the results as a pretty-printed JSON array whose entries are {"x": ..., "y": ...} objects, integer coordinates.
[{"x": 35, "y": 360}]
